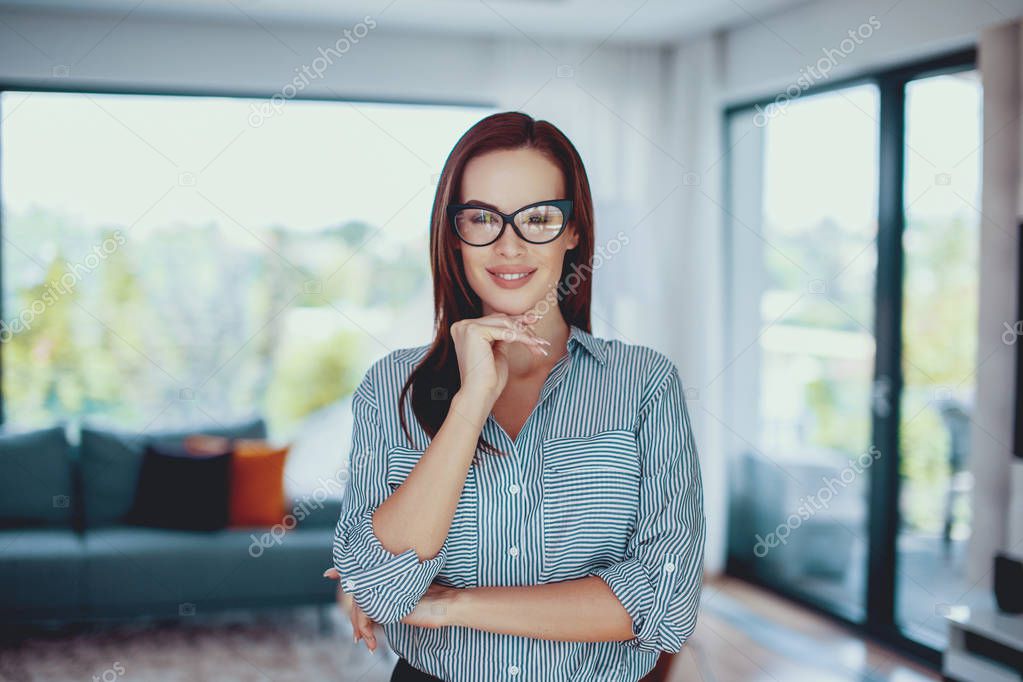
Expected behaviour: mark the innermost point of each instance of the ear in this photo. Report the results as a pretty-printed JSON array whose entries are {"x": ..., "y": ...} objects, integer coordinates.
[{"x": 573, "y": 237}]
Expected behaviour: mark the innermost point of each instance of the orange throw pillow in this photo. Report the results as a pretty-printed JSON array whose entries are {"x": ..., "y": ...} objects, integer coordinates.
[{"x": 257, "y": 483}]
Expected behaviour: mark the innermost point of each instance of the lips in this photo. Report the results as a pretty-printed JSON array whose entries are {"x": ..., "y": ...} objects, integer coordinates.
[
  {"x": 510, "y": 277},
  {"x": 510, "y": 270}
]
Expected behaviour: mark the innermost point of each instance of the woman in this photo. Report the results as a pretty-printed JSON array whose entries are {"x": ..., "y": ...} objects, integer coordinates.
[{"x": 525, "y": 500}]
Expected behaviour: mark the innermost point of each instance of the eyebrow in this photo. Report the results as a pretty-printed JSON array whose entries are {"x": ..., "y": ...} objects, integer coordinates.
[{"x": 482, "y": 203}]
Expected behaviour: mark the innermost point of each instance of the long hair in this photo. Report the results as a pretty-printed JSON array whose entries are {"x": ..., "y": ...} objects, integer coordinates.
[{"x": 435, "y": 380}]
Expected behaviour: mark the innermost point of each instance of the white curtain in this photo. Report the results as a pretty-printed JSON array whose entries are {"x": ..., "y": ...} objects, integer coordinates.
[{"x": 647, "y": 124}]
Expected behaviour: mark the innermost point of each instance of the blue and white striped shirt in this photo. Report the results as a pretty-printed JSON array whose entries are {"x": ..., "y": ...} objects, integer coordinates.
[{"x": 603, "y": 479}]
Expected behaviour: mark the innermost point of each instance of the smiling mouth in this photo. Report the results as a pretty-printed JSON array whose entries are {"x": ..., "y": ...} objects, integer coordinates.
[{"x": 511, "y": 280}]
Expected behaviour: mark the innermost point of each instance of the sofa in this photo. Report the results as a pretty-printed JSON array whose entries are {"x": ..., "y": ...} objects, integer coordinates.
[{"x": 68, "y": 552}]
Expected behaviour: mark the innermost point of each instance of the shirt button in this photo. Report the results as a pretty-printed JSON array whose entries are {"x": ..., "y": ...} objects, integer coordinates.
[
  {"x": 669, "y": 567},
  {"x": 513, "y": 670},
  {"x": 514, "y": 488},
  {"x": 514, "y": 551},
  {"x": 349, "y": 585}
]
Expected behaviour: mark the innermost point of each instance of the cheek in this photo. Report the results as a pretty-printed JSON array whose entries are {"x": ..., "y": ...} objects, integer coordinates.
[
  {"x": 473, "y": 264},
  {"x": 553, "y": 266}
]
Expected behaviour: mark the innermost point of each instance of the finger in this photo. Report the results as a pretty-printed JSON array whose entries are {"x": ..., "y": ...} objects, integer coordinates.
[
  {"x": 500, "y": 331},
  {"x": 513, "y": 334},
  {"x": 498, "y": 327},
  {"x": 357, "y": 632},
  {"x": 365, "y": 628},
  {"x": 332, "y": 573},
  {"x": 369, "y": 637},
  {"x": 529, "y": 317},
  {"x": 504, "y": 321},
  {"x": 346, "y": 603}
]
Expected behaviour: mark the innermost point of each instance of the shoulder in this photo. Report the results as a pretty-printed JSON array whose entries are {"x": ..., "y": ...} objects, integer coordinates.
[
  {"x": 649, "y": 367},
  {"x": 387, "y": 374}
]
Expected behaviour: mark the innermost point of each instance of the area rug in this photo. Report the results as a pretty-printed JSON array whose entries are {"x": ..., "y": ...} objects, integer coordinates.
[{"x": 274, "y": 645}]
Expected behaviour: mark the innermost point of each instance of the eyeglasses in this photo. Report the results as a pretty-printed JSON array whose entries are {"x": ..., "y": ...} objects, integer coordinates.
[{"x": 537, "y": 223}]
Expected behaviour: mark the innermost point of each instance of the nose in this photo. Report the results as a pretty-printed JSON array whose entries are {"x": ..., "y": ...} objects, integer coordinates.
[{"x": 509, "y": 244}]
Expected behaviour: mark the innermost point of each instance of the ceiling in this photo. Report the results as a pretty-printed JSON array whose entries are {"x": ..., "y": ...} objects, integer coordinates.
[{"x": 613, "y": 21}]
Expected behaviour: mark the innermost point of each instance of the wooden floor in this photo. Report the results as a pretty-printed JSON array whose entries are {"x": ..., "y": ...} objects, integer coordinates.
[{"x": 746, "y": 634}]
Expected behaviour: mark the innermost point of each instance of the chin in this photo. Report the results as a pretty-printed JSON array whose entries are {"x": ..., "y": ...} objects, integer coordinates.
[
  {"x": 510, "y": 302},
  {"x": 509, "y": 307}
]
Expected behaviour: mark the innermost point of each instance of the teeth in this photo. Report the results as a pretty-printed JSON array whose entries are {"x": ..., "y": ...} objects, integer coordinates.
[{"x": 512, "y": 277}]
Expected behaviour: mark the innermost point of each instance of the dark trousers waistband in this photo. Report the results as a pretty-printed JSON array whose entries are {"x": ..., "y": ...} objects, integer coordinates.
[{"x": 403, "y": 672}]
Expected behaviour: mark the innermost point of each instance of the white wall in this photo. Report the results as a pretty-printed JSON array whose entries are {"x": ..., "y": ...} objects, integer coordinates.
[{"x": 765, "y": 56}]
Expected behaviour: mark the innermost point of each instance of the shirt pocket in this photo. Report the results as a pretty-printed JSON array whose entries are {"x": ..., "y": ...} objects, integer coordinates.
[
  {"x": 400, "y": 461},
  {"x": 590, "y": 502}
]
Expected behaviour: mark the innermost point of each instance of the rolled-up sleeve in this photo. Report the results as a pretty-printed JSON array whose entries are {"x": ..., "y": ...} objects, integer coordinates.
[
  {"x": 387, "y": 586},
  {"x": 661, "y": 577}
]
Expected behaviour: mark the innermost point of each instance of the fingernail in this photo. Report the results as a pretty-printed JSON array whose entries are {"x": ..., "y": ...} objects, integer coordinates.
[
  {"x": 544, "y": 351},
  {"x": 326, "y": 572}
]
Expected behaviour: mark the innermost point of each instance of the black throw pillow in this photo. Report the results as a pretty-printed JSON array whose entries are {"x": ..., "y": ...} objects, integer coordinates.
[{"x": 179, "y": 489}]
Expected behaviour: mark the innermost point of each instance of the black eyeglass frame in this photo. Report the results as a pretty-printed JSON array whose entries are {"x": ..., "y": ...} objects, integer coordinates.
[{"x": 565, "y": 205}]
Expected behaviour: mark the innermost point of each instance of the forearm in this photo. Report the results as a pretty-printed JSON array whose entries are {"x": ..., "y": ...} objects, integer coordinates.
[
  {"x": 418, "y": 515},
  {"x": 581, "y": 610}
]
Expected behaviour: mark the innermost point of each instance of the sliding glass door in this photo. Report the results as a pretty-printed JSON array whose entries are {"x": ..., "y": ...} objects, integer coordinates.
[
  {"x": 940, "y": 294},
  {"x": 805, "y": 265},
  {"x": 852, "y": 242}
]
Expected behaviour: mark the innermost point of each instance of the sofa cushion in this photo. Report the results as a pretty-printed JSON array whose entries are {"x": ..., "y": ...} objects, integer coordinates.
[
  {"x": 35, "y": 478},
  {"x": 257, "y": 483},
  {"x": 180, "y": 489},
  {"x": 41, "y": 570},
  {"x": 133, "y": 570},
  {"x": 111, "y": 461}
]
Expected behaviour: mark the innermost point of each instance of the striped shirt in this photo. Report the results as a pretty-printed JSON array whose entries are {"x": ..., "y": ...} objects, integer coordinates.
[{"x": 603, "y": 479}]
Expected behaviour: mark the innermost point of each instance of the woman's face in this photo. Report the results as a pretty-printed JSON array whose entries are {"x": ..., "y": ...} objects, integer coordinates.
[{"x": 509, "y": 180}]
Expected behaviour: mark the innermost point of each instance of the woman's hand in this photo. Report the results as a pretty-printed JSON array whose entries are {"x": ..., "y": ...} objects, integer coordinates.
[
  {"x": 481, "y": 346},
  {"x": 436, "y": 609},
  {"x": 362, "y": 626}
]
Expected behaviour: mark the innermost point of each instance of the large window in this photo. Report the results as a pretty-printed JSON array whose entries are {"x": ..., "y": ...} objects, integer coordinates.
[
  {"x": 854, "y": 234},
  {"x": 811, "y": 316},
  {"x": 180, "y": 260}
]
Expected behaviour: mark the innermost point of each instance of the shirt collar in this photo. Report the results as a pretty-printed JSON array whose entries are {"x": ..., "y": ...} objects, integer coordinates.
[{"x": 592, "y": 344}]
